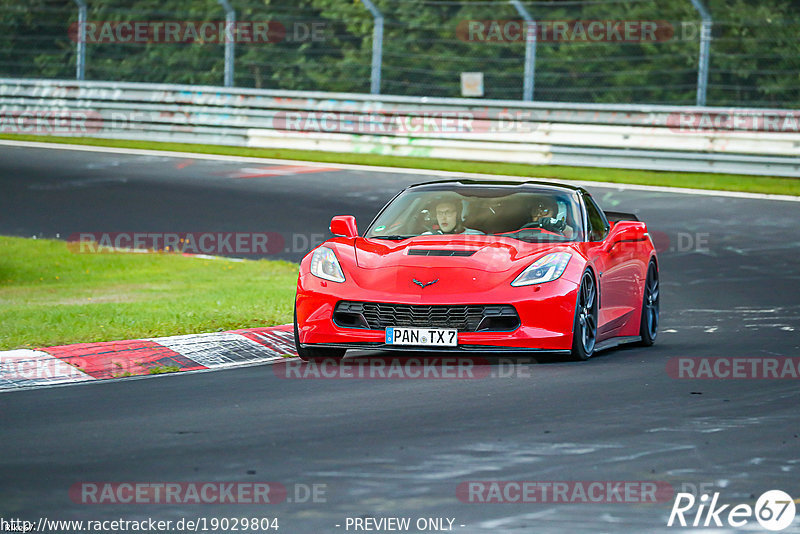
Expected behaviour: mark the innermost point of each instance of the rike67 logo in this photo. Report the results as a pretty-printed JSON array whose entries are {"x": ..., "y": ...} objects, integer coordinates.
[{"x": 774, "y": 510}]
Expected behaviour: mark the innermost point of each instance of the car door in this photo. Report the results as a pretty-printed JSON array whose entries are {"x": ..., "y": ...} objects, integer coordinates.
[{"x": 610, "y": 264}]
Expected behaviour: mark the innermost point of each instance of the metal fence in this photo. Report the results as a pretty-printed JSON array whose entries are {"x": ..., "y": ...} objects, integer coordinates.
[
  {"x": 681, "y": 52},
  {"x": 747, "y": 141}
]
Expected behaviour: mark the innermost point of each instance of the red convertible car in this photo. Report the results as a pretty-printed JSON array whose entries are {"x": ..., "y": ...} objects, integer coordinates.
[{"x": 480, "y": 266}]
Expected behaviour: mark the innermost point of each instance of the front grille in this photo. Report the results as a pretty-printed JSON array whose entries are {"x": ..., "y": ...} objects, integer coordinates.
[{"x": 465, "y": 318}]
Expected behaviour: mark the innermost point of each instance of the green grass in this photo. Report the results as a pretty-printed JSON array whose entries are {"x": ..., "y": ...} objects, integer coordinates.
[
  {"x": 162, "y": 370},
  {"x": 51, "y": 296},
  {"x": 724, "y": 182}
]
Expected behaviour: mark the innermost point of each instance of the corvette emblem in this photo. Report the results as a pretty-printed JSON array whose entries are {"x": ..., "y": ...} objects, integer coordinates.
[{"x": 424, "y": 285}]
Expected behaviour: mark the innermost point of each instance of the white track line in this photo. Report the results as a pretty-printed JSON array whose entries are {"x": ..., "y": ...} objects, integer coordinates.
[{"x": 395, "y": 170}]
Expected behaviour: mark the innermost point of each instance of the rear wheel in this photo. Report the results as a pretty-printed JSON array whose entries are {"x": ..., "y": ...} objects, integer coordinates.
[
  {"x": 584, "y": 329},
  {"x": 648, "y": 328},
  {"x": 316, "y": 353}
]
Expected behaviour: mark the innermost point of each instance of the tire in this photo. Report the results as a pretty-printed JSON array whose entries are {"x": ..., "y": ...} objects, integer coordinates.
[
  {"x": 648, "y": 326},
  {"x": 584, "y": 327},
  {"x": 316, "y": 353}
]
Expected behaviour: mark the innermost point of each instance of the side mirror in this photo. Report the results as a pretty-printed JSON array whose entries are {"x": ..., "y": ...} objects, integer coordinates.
[{"x": 344, "y": 225}]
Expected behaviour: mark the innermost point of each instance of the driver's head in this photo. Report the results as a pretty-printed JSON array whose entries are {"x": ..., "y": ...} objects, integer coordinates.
[
  {"x": 543, "y": 206},
  {"x": 448, "y": 215}
]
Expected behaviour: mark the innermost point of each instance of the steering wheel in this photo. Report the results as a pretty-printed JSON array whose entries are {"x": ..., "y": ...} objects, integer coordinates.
[{"x": 549, "y": 225}]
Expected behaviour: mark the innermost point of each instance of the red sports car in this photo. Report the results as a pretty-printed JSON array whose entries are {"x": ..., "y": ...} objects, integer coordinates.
[{"x": 480, "y": 266}]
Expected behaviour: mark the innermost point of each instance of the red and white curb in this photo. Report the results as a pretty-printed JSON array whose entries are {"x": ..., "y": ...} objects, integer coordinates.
[{"x": 82, "y": 362}]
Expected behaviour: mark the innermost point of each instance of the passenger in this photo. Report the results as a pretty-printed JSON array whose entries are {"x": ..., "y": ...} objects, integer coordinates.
[{"x": 448, "y": 215}]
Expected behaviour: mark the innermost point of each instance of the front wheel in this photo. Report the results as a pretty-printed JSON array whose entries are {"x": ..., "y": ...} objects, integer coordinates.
[
  {"x": 648, "y": 327},
  {"x": 316, "y": 353},
  {"x": 584, "y": 329}
]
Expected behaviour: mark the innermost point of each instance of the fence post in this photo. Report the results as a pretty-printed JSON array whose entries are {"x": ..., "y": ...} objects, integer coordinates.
[
  {"x": 230, "y": 34},
  {"x": 377, "y": 47},
  {"x": 705, "y": 51},
  {"x": 530, "y": 50},
  {"x": 80, "y": 60}
]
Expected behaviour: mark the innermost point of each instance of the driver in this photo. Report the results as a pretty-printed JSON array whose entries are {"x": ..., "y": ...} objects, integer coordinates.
[
  {"x": 448, "y": 215},
  {"x": 544, "y": 210}
]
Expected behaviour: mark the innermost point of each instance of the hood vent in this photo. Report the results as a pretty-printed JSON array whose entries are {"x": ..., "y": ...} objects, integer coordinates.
[{"x": 434, "y": 252}]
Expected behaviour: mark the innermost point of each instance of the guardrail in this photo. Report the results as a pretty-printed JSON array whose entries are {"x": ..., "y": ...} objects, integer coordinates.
[{"x": 670, "y": 138}]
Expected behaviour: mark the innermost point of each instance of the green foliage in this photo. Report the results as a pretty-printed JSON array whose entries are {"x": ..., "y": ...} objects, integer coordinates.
[
  {"x": 755, "y": 53},
  {"x": 162, "y": 370}
]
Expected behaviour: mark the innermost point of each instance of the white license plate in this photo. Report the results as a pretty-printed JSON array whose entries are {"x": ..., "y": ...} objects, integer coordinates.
[{"x": 428, "y": 337}]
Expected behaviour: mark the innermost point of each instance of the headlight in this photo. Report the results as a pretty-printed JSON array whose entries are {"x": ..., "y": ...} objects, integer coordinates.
[
  {"x": 325, "y": 265},
  {"x": 545, "y": 269}
]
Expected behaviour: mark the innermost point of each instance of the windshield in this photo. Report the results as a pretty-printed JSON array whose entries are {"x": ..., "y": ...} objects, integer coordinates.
[{"x": 532, "y": 215}]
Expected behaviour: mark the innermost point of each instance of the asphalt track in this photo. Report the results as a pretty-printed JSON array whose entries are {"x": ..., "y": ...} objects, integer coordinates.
[{"x": 386, "y": 448}]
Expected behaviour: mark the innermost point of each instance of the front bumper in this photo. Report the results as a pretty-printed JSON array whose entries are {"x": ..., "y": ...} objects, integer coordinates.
[{"x": 546, "y": 313}]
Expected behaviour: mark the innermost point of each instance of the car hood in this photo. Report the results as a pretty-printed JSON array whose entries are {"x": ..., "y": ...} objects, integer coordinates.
[{"x": 446, "y": 265}]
